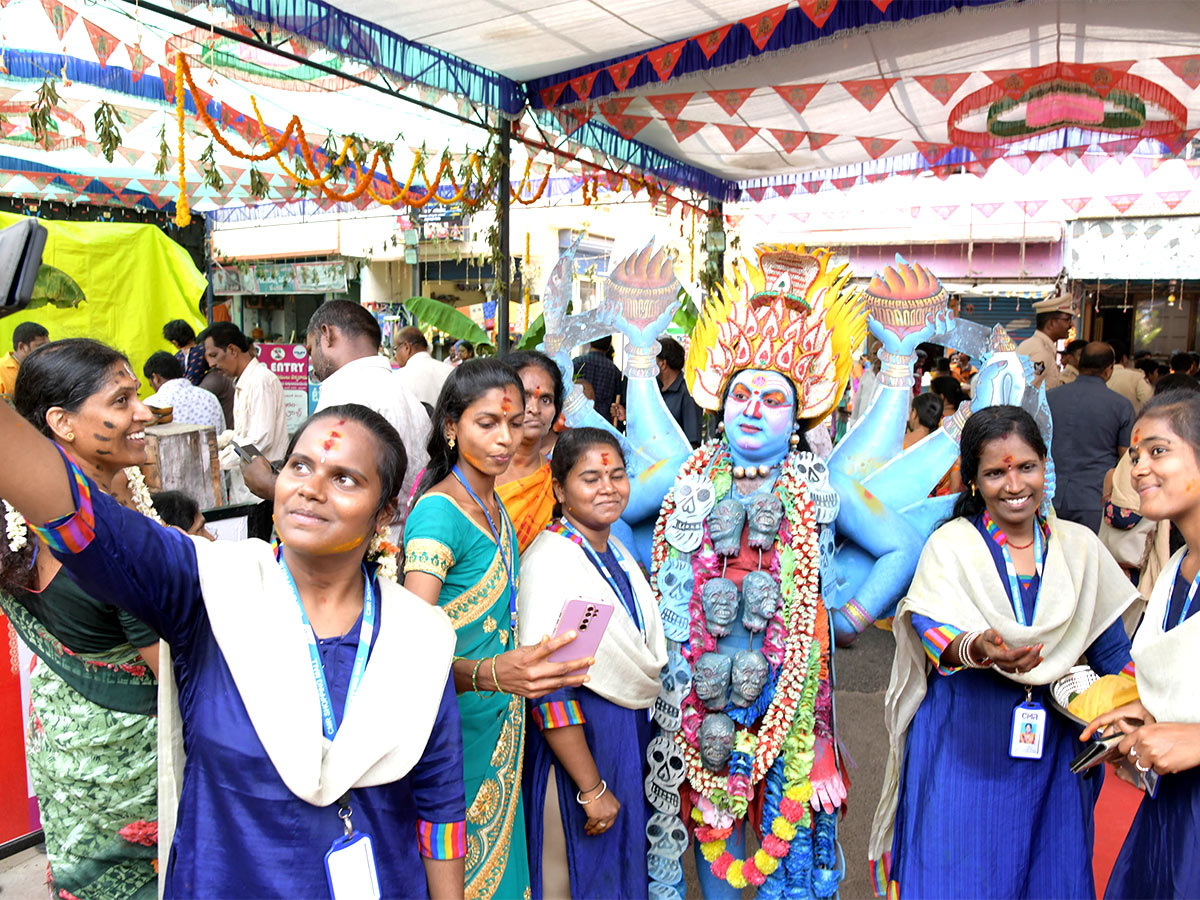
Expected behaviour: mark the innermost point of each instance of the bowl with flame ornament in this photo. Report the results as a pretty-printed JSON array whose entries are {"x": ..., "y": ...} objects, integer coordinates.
[
  {"x": 905, "y": 297},
  {"x": 642, "y": 292}
]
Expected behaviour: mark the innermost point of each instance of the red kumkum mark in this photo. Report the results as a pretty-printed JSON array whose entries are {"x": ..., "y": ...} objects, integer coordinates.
[
  {"x": 506, "y": 406},
  {"x": 331, "y": 441},
  {"x": 605, "y": 458}
]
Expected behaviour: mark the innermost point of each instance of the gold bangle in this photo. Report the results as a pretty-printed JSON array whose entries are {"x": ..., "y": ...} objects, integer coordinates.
[
  {"x": 475, "y": 672},
  {"x": 495, "y": 681}
]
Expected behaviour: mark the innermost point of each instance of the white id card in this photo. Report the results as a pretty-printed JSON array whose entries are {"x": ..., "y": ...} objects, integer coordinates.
[
  {"x": 1028, "y": 731},
  {"x": 350, "y": 868}
]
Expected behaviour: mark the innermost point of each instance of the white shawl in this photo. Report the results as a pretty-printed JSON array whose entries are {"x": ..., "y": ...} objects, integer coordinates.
[
  {"x": 1083, "y": 591},
  {"x": 553, "y": 570},
  {"x": 1168, "y": 663},
  {"x": 256, "y": 624}
]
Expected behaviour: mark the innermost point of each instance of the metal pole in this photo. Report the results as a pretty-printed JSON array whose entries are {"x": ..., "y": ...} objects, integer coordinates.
[{"x": 503, "y": 208}]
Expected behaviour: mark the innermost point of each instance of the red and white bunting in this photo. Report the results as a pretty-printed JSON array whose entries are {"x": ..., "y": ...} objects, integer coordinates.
[
  {"x": 628, "y": 125},
  {"x": 669, "y": 106},
  {"x": 986, "y": 209},
  {"x": 1172, "y": 198},
  {"x": 942, "y": 87},
  {"x": 1076, "y": 203},
  {"x": 1014, "y": 82},
  {"x": 1186, "y": 67},
  {"x": 711, "y": 41},
  {"x": 1093, "y": 161},
  {"x": 757, "y": 193},
  {"x": 784, "y": 190},
  {"x": 614, "y": 106},
  {"x": 869, "y": 91},
  {"x": 842, "y": 183},
  {"x": 103, "y": 43},
  {"x": 812, "y": 186},
  {"x": 763, "y": 25},
  {"x": 681, "y": 129},
  {"x": 946, "y": 211},
  {"x": 800, "y": 217},
  {"x": 788, "y": 140},
  {"x": 875, "y": 146},
  {"x": 622, "y": 71},
  {"x": 551, "y": 94},
  {"x": 817, "y": 140},
  {"x": 582, "y": 85},
  {"x": 931, "y": 151},
  {"x": 1123, "y": 202},
  {"x": 731, "y": 101},
  {"x": 737, "y": 135},
  {"x": 1020, "y": 163},
  {"x": 60, "y": 15},
  {"x": 1031, "y": 207},
  {"x": 664, "y": 59},
  {"x": 798, "y": 96},
  {"x": 818, "y": 11}
]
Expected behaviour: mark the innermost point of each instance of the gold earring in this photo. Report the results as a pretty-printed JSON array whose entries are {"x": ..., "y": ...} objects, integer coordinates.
[
  {"x": 70, "y": 435},
  {"x": 450, "y": 441}
]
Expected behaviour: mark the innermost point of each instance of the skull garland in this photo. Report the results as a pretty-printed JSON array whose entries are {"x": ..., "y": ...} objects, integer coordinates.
[
  {"x": 719, "y": 598},
  {"x": 749, "y": 676},
  {"x": 725, "y": 524},
  {"x": 694, "y": 498},
  {"x": 667, "y": 771},
  {"x": 815, "y": 472},
  {"x": 676, "y": 685},
  {"x": 668, "y": 835},
  {"x": 716, "y": 741},
  {"x": 762, "y": 598},
  {"x": 675, "y": 583},
  {"x": 765, "y": 513},
  {"x": 711, "y": 679}
]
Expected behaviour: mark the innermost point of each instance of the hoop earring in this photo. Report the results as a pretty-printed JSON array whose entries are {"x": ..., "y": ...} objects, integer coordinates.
[{"x": 70, "y": 436}]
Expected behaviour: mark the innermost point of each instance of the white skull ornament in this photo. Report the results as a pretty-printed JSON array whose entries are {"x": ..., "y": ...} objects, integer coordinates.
[
  {"x": 694, "y": 499},
  {"x": 815, "y": 472},
  {"x": 667, "y": 770}
]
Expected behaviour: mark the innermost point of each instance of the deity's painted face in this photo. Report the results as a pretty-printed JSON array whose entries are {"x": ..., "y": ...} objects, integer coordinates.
[{"x": 758, "y": 417}]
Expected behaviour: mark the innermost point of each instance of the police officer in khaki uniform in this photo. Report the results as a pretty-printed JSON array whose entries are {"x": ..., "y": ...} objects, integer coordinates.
[{"x": 1055, "y": 315}]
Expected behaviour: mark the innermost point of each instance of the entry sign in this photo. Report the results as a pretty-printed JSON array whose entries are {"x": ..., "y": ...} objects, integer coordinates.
[{"x": 289, "y": 362}]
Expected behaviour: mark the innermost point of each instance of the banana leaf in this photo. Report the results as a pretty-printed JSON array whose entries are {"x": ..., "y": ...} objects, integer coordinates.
[
  {"x": 686, "y": 317},
  {"x": 446, "y": 319},
  {"x": 534, "y": 336},
  {"x": 54, "y": 287}
]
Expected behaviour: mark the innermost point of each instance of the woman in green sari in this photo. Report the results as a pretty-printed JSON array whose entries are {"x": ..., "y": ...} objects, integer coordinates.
[
  {"x": 92, "y": 744},
  {"x": 461, "y": 554}
]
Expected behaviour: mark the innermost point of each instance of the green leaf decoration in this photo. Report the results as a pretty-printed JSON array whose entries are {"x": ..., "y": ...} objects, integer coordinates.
[
  {"x": 534, "y": 336},
  {"x": 164, "y": 153},
  {"x": 54, "y": 287},
  {"x": 446, "y": 319},
  {"x": 687, "y": 315},
  {"x": 107, "y": 118}
]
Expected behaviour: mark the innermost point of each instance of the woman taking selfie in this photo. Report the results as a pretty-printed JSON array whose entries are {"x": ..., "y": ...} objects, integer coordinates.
[
  {"x": 461, "y": 555},
  {"x": 295, "y": 733},
  {"x": 525, "y": 487},
  {"x": 584, "y": 791},
  {"x": 1161, "y": 856},
  {"x": 92, "y": 748},
  {"x": 1004, "y": 602}
]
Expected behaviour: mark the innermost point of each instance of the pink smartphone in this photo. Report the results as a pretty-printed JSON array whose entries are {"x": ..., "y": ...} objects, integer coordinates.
[{"x": 588, "y": 617}]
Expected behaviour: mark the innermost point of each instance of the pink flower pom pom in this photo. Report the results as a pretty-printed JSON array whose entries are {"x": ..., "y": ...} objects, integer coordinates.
[
  {"x": 776, "y": 846},
  {"x": 752, "y": 874},
  {"x": 791, "y": 810},
  {"x": 721, "y": 864}
]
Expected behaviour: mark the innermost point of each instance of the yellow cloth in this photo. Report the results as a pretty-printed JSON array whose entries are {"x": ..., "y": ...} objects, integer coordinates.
[
  {"x": 8, "y": 376},
  {"x": 530, "y": 504}
]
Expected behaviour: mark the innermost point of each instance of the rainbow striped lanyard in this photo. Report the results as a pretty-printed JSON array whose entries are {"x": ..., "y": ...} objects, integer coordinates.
[{"x": 1014, "y": 582}]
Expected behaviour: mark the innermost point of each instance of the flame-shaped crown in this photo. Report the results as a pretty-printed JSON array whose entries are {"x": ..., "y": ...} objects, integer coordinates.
[{"x": 791, "y": 314}]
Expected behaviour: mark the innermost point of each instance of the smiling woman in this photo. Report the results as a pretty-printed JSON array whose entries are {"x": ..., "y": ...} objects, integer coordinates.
[{"x": 293, "y": 731}]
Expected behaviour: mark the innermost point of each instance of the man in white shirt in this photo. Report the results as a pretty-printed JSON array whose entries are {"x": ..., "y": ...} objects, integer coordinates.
[
  {"x": 258, "y": 406},
  {"x": 343, "y": 346},
  {"x": 189, "y": 404},
  {"x": 420, "y": 372}
]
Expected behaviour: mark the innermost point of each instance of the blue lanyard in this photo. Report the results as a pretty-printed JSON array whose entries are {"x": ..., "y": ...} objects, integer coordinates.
[
  {"x": 328, "y": 722},
  {"x": 1014, "y": 583},
  {"x": 509, "y": 565},
  {"x": 1191, "y": 595},
  {"x": 579, "y": 539}
]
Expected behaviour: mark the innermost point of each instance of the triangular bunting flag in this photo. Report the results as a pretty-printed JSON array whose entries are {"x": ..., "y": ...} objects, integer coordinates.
[
  {"x": 1014, "y": 82},
  {"x": 551, "y": 94},
  {"x": 789, "y": 140},
  {"x": 785, "y": 190},
  {"x": 622, "y": 71},
  {"x": 812, "y": 186},
  {"x": 817, "y": 140},
  {"x": 711, "y": 41},
  {"x": 669, "y": 106},
  {"x": 61, "y": 16},
  {"x": 945, "y": 211},
  {"x": 582, "y": 86},
  {"x": 628, "y": 125},
  {"x": 731, "y": 101},
  {"x": 39, "y": 179},
  {"x": 942, "y": 87},
  {"x": 869, "y": 91},
  {"x": 103, "y": 43},
  {"x": 233, "y": 172},
  {"x": 842, "y": 183},
  {"x": 876, "y": 147},
  {"x": 682, "y": 129},
  {"x": 882, "y": 5},
  {"x": 800, "y": 217},
  {"x": 798, "y": 96},
  {"x": 1100, "y": 77},
  {"x": 737, "y": 135},
  {"x": 986, "y": 208},
  {"x": 572, "y": 118},
  {"x": 1093, "y": 161},
  {"x": 763, "y": 25},
  {"x": 1077, "y": 203},
  {"x": 168, "y": 82},
  {"x": 614, "y": 106},
  {"x": 1031, "y": 207},
  {"x": 1186, "y": 67},
  {"x": 818, "y": 11},
  {"x": 876, "y": 177},
  {"x": 1123, "y": 201},
  {"x": 663, "y": 59},
  {"x": 757, "y": 193},
  {"x": 138, "y": 61},
  {"x": 1172, "y": 198},
  {"x": 766, "y": 218},
  {"x": 914, "y": 211},
  {"x": 1145, "y": 164},
  {"x": 931, "y": 151},
  {"x": 943, "y": 172},
  {"x": 116, "y": 185},
  {"x": 1020, "y": 163},
  {"x": 77, "y": 182}
]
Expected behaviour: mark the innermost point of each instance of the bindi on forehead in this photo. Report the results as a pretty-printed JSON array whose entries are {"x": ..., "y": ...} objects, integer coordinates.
[
  {"x": 759, "y": 381},
  {"x": 605, "y": 458}
]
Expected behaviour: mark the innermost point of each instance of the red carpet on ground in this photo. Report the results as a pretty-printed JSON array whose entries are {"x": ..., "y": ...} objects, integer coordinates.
[{"x": 1114, "y": 814}]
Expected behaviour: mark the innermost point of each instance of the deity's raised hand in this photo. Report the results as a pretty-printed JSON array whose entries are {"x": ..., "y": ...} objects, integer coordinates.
[{"x": 642, "y": 295}]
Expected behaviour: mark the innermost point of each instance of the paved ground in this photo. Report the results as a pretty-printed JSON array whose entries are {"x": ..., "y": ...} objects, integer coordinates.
[{"x": 862, "y": 673}]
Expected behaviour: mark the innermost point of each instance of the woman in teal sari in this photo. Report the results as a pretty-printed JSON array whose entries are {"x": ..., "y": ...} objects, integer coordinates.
[{"x": 461, "y": 554}]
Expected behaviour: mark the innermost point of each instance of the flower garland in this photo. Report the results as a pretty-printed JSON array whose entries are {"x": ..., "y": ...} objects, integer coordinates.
[
  {"x": 386, "y": 555},
  {"x": 15, "y": 528},
  {"x": 183, "y": 215},
  {"x": 141, "y": 494}
]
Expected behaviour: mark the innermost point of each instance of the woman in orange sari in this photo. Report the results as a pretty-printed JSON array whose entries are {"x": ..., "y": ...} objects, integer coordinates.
[{"x": 526, "y": 488}]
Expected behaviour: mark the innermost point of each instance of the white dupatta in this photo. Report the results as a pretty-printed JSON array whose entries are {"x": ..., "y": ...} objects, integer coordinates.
[
  {"x": 1168, "y": 662},
  {"x": 554, "y": 569},
  {"x": 1082, "y": 592}
]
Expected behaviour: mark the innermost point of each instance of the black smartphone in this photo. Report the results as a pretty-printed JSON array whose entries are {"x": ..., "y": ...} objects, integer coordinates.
[
  {"x": 21, "y": 248},
  {"x": 1094, "y": 751},
  {"x": 248, "y": 452}
]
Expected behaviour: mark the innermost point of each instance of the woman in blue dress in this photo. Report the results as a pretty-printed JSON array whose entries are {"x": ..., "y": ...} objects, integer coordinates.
[
  {"x": 1004, "y": 602},
  {"x": 314, "y": 696},
  {"x": 584, "y": 794},
  {"x": 1161, "y": 855}
]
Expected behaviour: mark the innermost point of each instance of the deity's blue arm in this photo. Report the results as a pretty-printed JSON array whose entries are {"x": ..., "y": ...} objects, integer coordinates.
[
  {"x": 914, "y": 473},
  {"x": 878, "y": 436}
]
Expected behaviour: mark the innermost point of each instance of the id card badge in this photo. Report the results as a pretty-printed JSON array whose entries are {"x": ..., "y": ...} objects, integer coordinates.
[
  {"x": 1028, "y": 729},
  {"x": 350, "y": 868}
]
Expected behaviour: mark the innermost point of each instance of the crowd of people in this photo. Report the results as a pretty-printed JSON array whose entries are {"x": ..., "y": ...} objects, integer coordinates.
[{"x": 425, "y": 526}]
